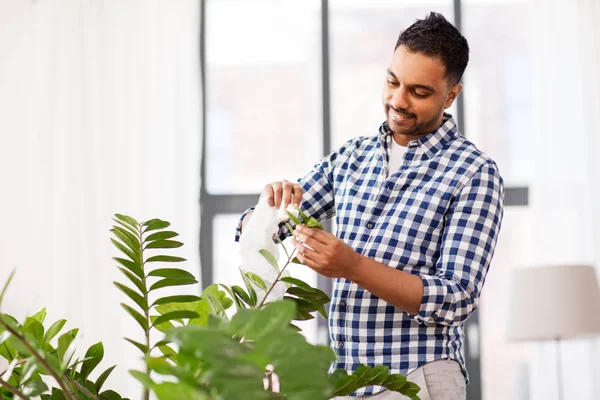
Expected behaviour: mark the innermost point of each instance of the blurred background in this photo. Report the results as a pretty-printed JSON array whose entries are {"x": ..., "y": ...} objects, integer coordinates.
[{"x": 183, "y": 110}]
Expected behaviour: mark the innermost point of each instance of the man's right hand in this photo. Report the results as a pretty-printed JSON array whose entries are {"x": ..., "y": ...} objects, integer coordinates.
[{"x": 283, "y": 194}]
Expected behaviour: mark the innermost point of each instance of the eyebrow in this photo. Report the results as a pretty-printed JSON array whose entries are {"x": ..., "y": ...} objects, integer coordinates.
[{"x": 415, "y": 86}]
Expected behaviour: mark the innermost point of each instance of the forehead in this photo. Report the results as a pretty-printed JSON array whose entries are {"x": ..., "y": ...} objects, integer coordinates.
[{"x": 417, "y": 68}]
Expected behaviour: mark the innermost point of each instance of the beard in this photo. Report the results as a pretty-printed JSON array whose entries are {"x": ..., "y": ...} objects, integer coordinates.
[{"x": 406, "y": 124}]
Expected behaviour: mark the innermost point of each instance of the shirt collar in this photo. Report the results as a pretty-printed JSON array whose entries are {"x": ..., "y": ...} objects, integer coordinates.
[{"x": 431, "y": 143}]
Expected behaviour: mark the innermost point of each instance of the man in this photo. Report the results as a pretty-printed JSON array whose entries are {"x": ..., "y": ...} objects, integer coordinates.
[{"x": 418, "y": 211}]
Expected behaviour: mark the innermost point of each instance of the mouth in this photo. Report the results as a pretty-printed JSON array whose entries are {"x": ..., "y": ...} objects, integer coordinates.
[{"x": 399, "y": 117}]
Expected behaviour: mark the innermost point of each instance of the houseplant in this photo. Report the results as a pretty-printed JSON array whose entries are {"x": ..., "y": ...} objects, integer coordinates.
[{"x": 194, "y": 347}]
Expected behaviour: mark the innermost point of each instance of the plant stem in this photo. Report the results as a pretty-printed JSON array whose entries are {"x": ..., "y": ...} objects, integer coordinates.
[
  {"x": 84, "y": 390},
  {"x": 262, "y": 302},
  {"x": 146, "y": 392},
  {"x": 67, "y": 393},
  {"x": 13, "y": 390}
]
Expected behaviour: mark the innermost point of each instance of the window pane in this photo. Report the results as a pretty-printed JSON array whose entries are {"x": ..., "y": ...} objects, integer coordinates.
[
  {"x": 363, "y": 36},
  {"x": 498, "y": 89},
  {"x": 227, "y": 262},
  {"x": 263, "y": 78}
]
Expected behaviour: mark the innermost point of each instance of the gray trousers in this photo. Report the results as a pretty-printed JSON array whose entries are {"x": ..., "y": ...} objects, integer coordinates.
[{"x": 438, "y": 380}]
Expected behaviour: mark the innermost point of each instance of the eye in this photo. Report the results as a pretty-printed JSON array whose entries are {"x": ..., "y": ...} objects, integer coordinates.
[
  {"x": 419, "y": 95},
  {"x": 392, "y": 83}
]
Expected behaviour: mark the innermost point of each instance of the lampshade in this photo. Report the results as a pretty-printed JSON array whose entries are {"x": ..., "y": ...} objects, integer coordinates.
[{"x": 553, "y": 302}]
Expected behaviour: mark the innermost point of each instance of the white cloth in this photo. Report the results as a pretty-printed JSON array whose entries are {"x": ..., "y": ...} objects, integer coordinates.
[
  {"x": 258, "y": 234},
  {"x": 396, "y": 153}
]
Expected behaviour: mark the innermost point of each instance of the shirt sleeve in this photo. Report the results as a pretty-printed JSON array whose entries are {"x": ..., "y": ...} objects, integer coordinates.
[
  {"x": 318, "y": 191},
  {"x": 472, "y": 225}
]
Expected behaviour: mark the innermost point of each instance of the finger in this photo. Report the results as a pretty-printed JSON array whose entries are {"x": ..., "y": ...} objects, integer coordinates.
[
  {"x": 297, "y": 193},
  {"x": 315, "y": 245},
  {"x": 287, "y": 191},
  {"x": 276, "y": 194},
  {"x": 316, "y": 234},
  {"x": 268, "y": 191},
  {"x": 304, "y": 254}
]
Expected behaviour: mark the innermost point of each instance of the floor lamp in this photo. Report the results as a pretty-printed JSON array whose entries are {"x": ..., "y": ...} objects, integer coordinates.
[{"x": 554, "y": 303}]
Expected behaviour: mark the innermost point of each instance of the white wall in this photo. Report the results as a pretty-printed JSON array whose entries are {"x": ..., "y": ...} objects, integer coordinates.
[{"x": 99, "y": 113}]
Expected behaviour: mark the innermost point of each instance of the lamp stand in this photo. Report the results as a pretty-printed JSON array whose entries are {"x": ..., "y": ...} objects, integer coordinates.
[{"x": 558, "y": 374}]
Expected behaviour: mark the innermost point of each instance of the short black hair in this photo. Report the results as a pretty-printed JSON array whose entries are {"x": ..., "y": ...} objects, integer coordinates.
[{"x": 434, "y": 36}]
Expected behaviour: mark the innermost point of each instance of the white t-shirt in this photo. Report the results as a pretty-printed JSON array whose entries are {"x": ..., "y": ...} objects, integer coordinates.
[{"x": 396, "y": 157}]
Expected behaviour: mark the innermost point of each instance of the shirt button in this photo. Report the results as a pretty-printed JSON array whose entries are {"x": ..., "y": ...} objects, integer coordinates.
[
  {"x": 370, "y": 225},
  {"x": 342, "y": 304},
  {"x": 340, "y": 344}
]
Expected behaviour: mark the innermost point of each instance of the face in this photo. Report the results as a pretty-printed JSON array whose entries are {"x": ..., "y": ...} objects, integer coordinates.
[{"x": 415, "y": 94}]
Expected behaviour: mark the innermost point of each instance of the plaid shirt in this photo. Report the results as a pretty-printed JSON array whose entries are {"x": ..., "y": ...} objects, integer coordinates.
[{"x": 438, "y": 217}]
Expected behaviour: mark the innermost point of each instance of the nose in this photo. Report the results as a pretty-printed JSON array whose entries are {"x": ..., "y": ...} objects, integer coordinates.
[{"x": 400, "y": 98}]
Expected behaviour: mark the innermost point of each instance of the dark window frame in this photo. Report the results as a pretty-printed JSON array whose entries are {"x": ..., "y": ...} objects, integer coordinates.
[{"x": 212, "y": 205}]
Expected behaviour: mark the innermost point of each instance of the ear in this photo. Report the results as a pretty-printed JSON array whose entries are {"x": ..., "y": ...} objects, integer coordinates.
[{"x": 452, "y": 95}]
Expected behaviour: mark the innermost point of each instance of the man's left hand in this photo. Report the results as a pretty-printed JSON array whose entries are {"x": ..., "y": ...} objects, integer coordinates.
[{"x": 325, "y": 254}]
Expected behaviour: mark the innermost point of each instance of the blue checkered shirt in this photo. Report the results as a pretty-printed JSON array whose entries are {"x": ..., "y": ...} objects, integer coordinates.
[{"x": 438, "y": 217}]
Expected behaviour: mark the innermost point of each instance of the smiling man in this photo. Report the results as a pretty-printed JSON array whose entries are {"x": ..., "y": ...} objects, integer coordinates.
[{"x": 418, "y": 211}]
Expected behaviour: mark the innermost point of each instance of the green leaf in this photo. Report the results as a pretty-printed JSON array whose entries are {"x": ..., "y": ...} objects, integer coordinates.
[
  {"x": 257, "y": 280},
  {"x": 270, "y": 258},
  {"x": 293, "y": 218},
  {"x": 242, "y": 295},
  {"x": 54, "y": 329},
  {"x": 132, "y": 266},
  {"x": 297, "y": 282},
  {"x": 176, "y": 299},
  {"x": 161, "y": 236},
  {"x": 137, "y": 316},
  {"x": 251, "y": 291},
  {"x": 6, "y": 285},
  {"x": 127, "y": 238},
  {"x": 129, "y": 253},
  {"x": 34, "y": 388},
  {"x": 314, "y": 223},
  {"x": 395, "y": 382},
  {"x": 93, "y": 355},
  {"x": 40, "y": 316},
  {"x": 143, "y": 348},
  {"x": 66, "y": 349},
  {"x": 109, "y": 395},
  {"x": 165, "y": 259},
  {"x": 322, "y": 312},
  {"x": 143, "y": 378},
  {"x": 134, "y": 279},
  {"x": 168, "y": 352},
  {"x": 238, "y": 303},
  {"x": 175, "y": 315},
  {"x": 345, "y": 385},
  {"x": 171, "y": 273},
  {"x": 155, "y": 224},
  {"x": 128, "y": 220},
  {"x": 410, "y": 389},
  {"x": 167, "y": 282},
  {"x": 133, "y": 295},
  {"x": 296, "y": 261},
  {"x": 163, "y": 244},
  {"x": 164, "y": 327},
  {"x": 28, "y": 370},
  {"x": 311, "y": 295},
  {"x": 126, "y": 226},
  {"x": 215, "y": 305},
  {"x": 304, "y": 217},
  {"x": 102, "y": 378},
  {"x": 36, "y": 329},
  {"x": 180, "y": 390},
  {"x": 379, "y": 374},
  {"x": 363, "y": 375}
]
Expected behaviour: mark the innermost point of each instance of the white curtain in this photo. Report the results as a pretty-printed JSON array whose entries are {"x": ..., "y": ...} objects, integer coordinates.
[
  {"x": 565, "y": 200},
  {"x": 99, "y": 114}
]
